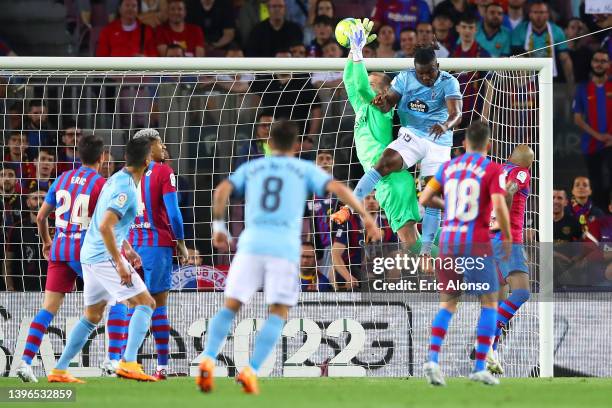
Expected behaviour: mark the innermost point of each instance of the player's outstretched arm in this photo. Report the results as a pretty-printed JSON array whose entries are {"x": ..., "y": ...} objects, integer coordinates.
[
  {"x": 109, "y": 220},
  {"x": 502, "y": 216},
  {"x": 42, "y": 222},
  {"x": 221, "y": 237},
  {"x": 346, "y": 195},
  {"x": 386, "y": 101},
  {"x": 430, "y": 196}
]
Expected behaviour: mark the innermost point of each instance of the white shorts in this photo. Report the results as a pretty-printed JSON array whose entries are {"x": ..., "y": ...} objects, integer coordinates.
[
  {"x": 102, "y": 282},
  {"x": 414, "y": 149},
  {"x": 279, "y": 277}
]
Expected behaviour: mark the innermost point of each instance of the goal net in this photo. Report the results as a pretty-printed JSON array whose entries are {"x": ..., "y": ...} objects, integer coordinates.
[{"x": 213, "y": 115}]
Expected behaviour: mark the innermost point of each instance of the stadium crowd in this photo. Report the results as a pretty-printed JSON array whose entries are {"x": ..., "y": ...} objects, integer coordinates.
[{"x": 37, "y": 149}]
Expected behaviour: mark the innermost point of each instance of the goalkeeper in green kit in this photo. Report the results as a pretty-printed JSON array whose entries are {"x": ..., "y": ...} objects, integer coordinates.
[{"x": 395, "y": 192}]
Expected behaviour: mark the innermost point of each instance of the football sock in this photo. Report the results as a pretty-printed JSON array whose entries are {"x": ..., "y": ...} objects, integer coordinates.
[
  {"x": 431, "y": 223},
  {"x": 367, "y": 183},
  {"x": 160, "y": 327},
  {"x": 130, "y": 312},
  {"x": 139, "y": 325},
  {"x": 266, "y": 340},
  {"x": 484, "y": 332},
  {"x": 218, "y": 329},
  {"x": 507, "y": 309},
  {"x": 117, "y": 330},
  {"x": 439, "y": 326},
  {"x": 75, "y": 342},
  {"x": 37, "y": 330}
]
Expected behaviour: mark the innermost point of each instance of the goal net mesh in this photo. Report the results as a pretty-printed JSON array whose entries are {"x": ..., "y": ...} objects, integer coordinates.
[{"x": 211, "y": 122}]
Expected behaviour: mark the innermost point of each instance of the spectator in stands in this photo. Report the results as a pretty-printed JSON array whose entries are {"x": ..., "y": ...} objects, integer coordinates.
[
  {"x": 315, "y": 9},
  {"x": 216, "y": 19},
  {"x": 174, "y": 51},
  {"x": 258, "y": 145},
  {"x": 10, "y": 191},
  {"x": 467, "y": 46},
  {"x": 108, "y": 166},
  {"x": 579, "y": 50},
  {"x": 582, "y": 207},
  {"x": 153, "y": 12},
  {"x": 252, "y": 12},
  {"x": 444, "y": 31},
  {"x": 566, "y": 227},
  {"x": 67, "y": 157},
  {"x": 194, "y": 257},
  {"x": 298, "y": 50},
  {"x": 17, "y": 152},
  {"x": 386, "y": 42},
  {"x": 323, "y": 32},
  {"x": 592, "y": 107},
  {"x": 126, "y": 36},
  {"x": 491, "y": 35},
  {"x": 37, "y": 126},
  {"x": 24, "y": 251},
  {"x": 176, "y": 31},
  {"x": 273, "y": 34},
  {"x": 312, "y": 279},
  {"x": 346, "y": 248},
  {"x": 481, "y": 8},
  {"x": 516, "y": 12},
  {"x": 233, "y": 83},
  {"x": 39, "y": 174},
  {"x": 399, "y": 14},
  {"x": 539, "y": 34},
  {"x": 408, "y": 42},
  {"x": 426, "y": 38},
  {"x": 369, "y": 51},
  {"x": 297, "y": 11},
  {"x": 292, "y": 97},
  {"x": 454, "y": 9},
  {"x": 5, "y": 49}
]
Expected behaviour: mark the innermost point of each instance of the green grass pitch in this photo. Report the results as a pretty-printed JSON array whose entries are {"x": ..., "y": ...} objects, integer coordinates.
[{"x": 334, "y": 393}]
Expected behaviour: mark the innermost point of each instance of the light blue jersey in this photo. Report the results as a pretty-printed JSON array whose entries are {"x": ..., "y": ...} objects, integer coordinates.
[
  {"x": 275, "y": 190},
  {"x": 421, "y": 107},
  {"x": 120, "y": 196}
]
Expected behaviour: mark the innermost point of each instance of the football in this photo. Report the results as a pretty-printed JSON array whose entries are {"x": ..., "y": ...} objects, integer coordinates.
[{"x": 342, "y": 30}]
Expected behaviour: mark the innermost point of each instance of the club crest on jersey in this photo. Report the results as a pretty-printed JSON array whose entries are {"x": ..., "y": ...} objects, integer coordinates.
[
  {"x": 121, "y": 200},
  {"x": 418, "y": 106},
  {"x": 173, "y": 180}
]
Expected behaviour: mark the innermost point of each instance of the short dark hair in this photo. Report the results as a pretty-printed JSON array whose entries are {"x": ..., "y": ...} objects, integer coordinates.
[
  {"x": 264, "y": 112},
  {"x": 326, "y": 151},
  {"x": 136, "y": 152},
  {"x": 35, "y": 102},
  {"x": 309, "y": 243},
  {"x": 175, "y": 47},
  {"x": 468, "y": 18},
  {"x": 424, "y": 55},
  {"x": 90, "y": 149},
  {"x": 478, "y": 134},
  {"x": 48, "y": 150},
  {"x": 536, "y": 3},
  {"x": 600, "y": 51},
  {"x": 442, "y": 15},
  {"x": 68, "y": 123},
  {"x": 407, "y": 30},
  {"x": 385, "y": 78},
  {"x": 233, "y": 46},
  {"x": 284, "y": 135},
  {"x": 493, "y": 4},
  {"x": 325, "y": 20}
]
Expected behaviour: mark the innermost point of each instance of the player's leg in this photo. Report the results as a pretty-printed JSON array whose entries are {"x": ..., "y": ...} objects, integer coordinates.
[
  {"x": 435, "y": 156},
  {"x": 116, "y": 327},
  {"x": 439, "y": 327},
  {"x": 60, "y": 280},
  {"x": 244, "y": 278}
]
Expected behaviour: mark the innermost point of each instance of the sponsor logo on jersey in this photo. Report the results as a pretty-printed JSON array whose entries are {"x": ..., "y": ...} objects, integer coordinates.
[{"x": 418, "y": 106}]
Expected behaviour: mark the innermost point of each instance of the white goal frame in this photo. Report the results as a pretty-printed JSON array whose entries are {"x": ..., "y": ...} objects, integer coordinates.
[{"x": 543, "y": 66}]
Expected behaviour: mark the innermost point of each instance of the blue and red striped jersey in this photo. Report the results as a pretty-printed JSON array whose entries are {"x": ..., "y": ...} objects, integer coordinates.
[
  {"x": 350, "y": 234},
  {"x": 595, "y": 104},
  {"x": 320, "y": 209},
  {"x": 74, "y": 195},
  {"x": 401, "y": 13},
  {"x": 468, "y": 182},
  {"x": 152, "y": 225},
  {"x": 522, "y": 177}
]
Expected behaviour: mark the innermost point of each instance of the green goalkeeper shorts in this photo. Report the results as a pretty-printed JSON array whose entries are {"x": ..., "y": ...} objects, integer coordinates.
[{"x": 396, "y": 194}]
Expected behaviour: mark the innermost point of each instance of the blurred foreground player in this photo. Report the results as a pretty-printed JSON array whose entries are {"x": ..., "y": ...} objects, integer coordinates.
[
  {"x": 73, "y": 195},
  {"x": 471, "y": 183},
  {"x": 107, "y": 274},
  {"x": 158, "y": 224},
  {"x": 513, "y": 271},
  {"x": 275, "y": 190}
]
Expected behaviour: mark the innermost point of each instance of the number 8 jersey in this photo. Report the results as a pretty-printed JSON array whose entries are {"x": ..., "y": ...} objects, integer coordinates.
[
  {"x": 74, "y": 194},
  {"x": 468, "y": 181}
]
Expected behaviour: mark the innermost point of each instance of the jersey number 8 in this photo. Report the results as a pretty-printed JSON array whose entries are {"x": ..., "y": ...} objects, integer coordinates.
[{"x": 270, "y": 200}]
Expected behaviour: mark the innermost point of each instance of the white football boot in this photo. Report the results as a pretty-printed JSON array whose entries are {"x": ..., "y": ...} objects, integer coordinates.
[
  {"x": 433, "y": 374},
  {"x": 24, "y": 371}
]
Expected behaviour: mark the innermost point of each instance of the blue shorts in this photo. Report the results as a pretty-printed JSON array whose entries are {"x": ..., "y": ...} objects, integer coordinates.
[
  {"x": 157, "y": 267},
  {"x": 476, "y": 277},
  {"x": 516, "y": 263}
]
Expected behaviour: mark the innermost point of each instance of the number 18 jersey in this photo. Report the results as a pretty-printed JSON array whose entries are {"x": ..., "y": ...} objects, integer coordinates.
[
  {"x": 74, "y": 194},
  {"x": 468, "y": 182},
  {"x": 275, "y": 190}
]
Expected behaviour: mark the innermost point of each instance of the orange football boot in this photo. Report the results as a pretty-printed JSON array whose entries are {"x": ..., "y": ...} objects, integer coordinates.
[
  {"x": 63, "y": 376},
  {"x": 205, "y": 380},
  {"x": 342, "y": 215},
  {"x": 248, "y": 380},
  {"x": 133, "y": 371}
]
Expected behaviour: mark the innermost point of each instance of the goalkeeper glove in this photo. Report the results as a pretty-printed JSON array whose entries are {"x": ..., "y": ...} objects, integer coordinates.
[
  {"x": 367, "y": 28},
  {"x": 357, "y": 39}
]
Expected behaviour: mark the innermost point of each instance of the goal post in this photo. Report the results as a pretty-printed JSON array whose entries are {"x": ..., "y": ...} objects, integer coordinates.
[{"x": 522, "y": 73}]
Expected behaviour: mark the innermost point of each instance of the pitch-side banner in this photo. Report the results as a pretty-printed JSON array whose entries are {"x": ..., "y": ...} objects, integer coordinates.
[{"x": 327, "y": 334}]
